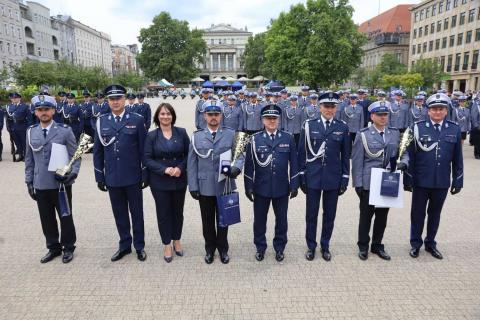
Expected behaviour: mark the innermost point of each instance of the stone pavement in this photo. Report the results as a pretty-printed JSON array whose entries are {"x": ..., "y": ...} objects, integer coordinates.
[{"x": 92, "y": 287}]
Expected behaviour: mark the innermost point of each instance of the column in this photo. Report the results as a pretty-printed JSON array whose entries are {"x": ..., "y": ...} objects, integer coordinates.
[
  {"x": 226, "y": 61},
  {"x": 211, "y": 62},
  {"x": 234, "y": 62},
  {"x": 219, "y": 66}
]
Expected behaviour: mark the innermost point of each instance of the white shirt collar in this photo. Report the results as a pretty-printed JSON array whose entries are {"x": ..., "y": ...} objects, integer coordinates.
[
  {"x": 120, "y": 115},
  {"x": 324, "y": 120},
  {"x": 433, "y": 123},
  {"x": 378, "y": 130},
  {"x": 269, "y": 133},
  {"x": 47, "y": 127},
  {"x": 211, "y": 131}
]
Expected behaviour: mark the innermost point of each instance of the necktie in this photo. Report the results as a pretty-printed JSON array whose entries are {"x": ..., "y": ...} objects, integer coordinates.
[
  {"x": 117, "y": 119},
  {"x": 382, "y": 135},
  {"x": 214, "y": 134},
  {"x": 437, "y": 127},
  {"x": 44, "y": 133},
  {"x": 272, "y": 136},
  {"x": 327, "y": 124}
]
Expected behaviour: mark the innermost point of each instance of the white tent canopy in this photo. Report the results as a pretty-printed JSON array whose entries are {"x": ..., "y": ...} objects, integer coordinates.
[
  {"x": 166, "y": 82},
  {"x": 243, "y": 79},
  {"x": 197, "y": 79},
  {"x": 230, "y": 79},
  {"x": 217, "y": 79}
]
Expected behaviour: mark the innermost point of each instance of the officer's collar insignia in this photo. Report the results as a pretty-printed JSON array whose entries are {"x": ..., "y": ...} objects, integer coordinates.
[
  {"x": 279, "y": 134},
  {"x": 264, "y": 135},
  {"x": 109, "y": 117},
  {"x": 127, "y": 116},
  {"x": 446, "y": 125},
  {"x": 427, "y": 125}
]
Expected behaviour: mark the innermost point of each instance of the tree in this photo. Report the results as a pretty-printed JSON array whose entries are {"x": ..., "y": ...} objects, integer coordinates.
[
  {"x": 318, "y": 43},
  {"x": 170, "y": 49},
  {"x": 130, "y": 80},
  {"x": 253, "y": 58},
  {"x": 390, "y": 65},
  {"x": 431, "y": 72},
  {"x": 408, "y": 81}
]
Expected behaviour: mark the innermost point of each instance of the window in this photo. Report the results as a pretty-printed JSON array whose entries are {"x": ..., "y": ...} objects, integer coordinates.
[
  {"x": 475, "y": 60},
  {"x": 444, "y": 42},
  {"x": 439, "y": 26},
  {"x": 471, "y": 15},
  {"x": 434, "y": 9},
  {"x": 212, "y": 41},
  {"x": 466, "y": 57},
  {"x": 449, "y": 63},
  {"x": 440, "y": 7},
  {"x": 455, "y": 3},
  {"x": 442, "y": 62},
  {"x": 447, "y": 5},
  {"x": 464, "y": 1},
  {"x": 426, "y": 30},
  {"x": 452, "y": 41},
  {"x": 422, "y": 13},
  {"x": 458, "y": 57},
  {"x": 432, "y": 28},
  {"x": 416, "y": 17},
  {"x": 460, "y": 39},
  {"x": 420, "y": 32},
  {"x": 445, "y": 24},
  {"x": 424, "y": 47},
  {"x": 437, "y": 44},
  {"x": 419, "y": 48},
  {"x": 414, "y": 33},
  {"x": 430, "y": 46},
  {"x": 398, "y": 55},
  {"x": 462, "y": 18},
  {"x": 477, "y": 34},
  {"x": 413, "y": 49},
  {"x": 454, "y": 21},
  {"x": 427, "y": 13},
  {"x": 468, "y": 37}
]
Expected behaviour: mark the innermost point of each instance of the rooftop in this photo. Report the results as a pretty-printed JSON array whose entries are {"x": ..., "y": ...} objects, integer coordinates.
[{"x": 396, "y": 19}]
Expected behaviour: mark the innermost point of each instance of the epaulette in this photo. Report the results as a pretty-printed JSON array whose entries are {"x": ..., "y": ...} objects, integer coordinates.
[
  {"x": 342, "y": 121},
  {"x": 364, "y": 129},
  {"x": 421, "y": 121},
  {"x": 103, "y": 115},
  {"x": 65, "y": 125},
  {"x": 257, "y": 133},
  {"x": 33, "y": 126},
  {"x": 451, "y": 122},
  {"x": 393, "y": 128}
]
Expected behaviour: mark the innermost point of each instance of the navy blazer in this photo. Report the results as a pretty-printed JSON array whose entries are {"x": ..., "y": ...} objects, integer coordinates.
[{"x": 159, "y": 155}]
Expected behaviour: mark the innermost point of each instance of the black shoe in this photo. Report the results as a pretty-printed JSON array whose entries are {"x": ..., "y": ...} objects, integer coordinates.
[
  {"x": 326, "y": 255},
  {"x": 168, "y": 259},
  {"x": 178, "y": 253},
  {"x": 224, "y": 258},
  {"x": 51, "y": 254},
  {"x": 209, "y": 258},
  {"x": 414, "y": 252},
  {"x": 279, "y": 256},
  {"x": 260, "y": 255},
  {"x": 381, "y": 253},
  {"x": 21, "y": 158},
  {"x": 120, "y": 254},
  {"x": 67, "y": 256},
  {"x": 141, "y": 255},
  {"x": 434, "y": 252},
  {"x": 0, "y": 157},
  {"x": 310, "y": 255},
  {"x": 363, "y": 255}
]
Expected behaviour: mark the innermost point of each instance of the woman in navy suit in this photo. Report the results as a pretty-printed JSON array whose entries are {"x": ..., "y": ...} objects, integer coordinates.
[{"x": 166, "y": 152}]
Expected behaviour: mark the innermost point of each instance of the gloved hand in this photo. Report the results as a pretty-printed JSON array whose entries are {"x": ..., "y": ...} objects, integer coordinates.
[
  {"x": 250, "y": 195},
  {"x": 69, "y": 177},
  {"x": 234, "y": 172},
  {"x": 455, "y": 190},
  {"x": 31, "y": 191},
  {"x": 359, "y": 191},
  {"x": 401, "y": 166},
  {"x": 303, "y": 187},
  {"x": 195, "y": 195},
  {"x": 293, "y": 193},
  {"x": 342, "y": 190},
  {"x": 102, "y": 187},
  {"x": 408, "y": 188}
]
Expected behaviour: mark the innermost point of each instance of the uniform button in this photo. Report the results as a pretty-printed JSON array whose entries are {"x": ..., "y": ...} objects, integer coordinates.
[
  {"x": 438, "y": 163},
  {"x": 118, "y": 158}
]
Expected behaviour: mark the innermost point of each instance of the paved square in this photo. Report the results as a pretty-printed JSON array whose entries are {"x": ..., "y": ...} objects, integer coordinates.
[{"x": 92, "y": 287}]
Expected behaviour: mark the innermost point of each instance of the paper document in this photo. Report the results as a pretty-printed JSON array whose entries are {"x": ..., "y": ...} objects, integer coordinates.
[{"x": 58, "y": 157}]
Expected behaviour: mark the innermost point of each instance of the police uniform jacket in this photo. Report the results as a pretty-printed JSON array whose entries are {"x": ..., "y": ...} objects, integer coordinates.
[
  {"x": 38, "y": 150},
  {"x": 461, "y": 116},
  {"x": 200, "y": 122},
  {"x": 146, "y": 112},
  {"x": 204, "y": 161},
  {"x": 324, "y": 155},
  {"x": 161, "y": 153},
  {"x": 87, "y": 111},
  {"x": 353, "y": 117},
  {"x": 310, "y": 112},
  {"x": 436, "y": 159},
  {"x": 398, "y": 116},
  {"x": 475, "y": 115},
  {"x": 98, "y": 110},
  {"x": 416, "y": 114},
  {"x": 232, "y": 118},
  {"x": 118, "y": 150},
  {"x": 252, "y": 116},
  {"x": 73, "y": 116},
  {"x": 292, "y": 119},
  {"x": 271, "y": 168},
  {"x": 370, "y": 150},
  {"x": 18, "y": 114},
  {"x": 303, "y": 101}
]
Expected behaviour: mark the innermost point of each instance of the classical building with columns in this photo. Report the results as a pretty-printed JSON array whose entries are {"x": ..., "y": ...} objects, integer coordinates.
[
  {"x": 448, "y": 31},
  {"x": 226, "y": 45}
]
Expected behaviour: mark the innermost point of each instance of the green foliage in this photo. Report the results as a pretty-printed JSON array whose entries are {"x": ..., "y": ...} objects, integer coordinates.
[
  {"x": 390, "y": 65},
  {"x": 409, "y": 81},
  {"x": 253, "y": 58},
  {"x": 29, "y": 92},
  {"x": 170, "y": 49},
  {"x": 431, "y": 71},
  {"x": 381, "y": 74},
  {"x": 130, "y": 80}
]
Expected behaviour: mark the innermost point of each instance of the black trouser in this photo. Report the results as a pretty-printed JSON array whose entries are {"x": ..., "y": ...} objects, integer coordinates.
[
  {"x": 47, "y": 202},
  {"x": 352, "y": 138},
  {"x": 214, "y": 235},
  {"x": 169, "y": 205},
  {"x": 1, "y": 144},
  {"x": 366, "y": 214},
  {"x": 296, "y": 137}
]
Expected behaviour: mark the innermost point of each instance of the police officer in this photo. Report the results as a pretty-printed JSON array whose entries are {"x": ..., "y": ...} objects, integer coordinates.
[
  {"x": 475, "y": 132},
  {"x": 252, "y": 119},
  {"x": 418, "y": 112},
  {"x": 435, "y": 156},
  {"x": 203, "y": 175},
  {"x": 43, "y": 185},
  {"x": 324, "y": 161},
  {"x": 17, "y": 113},
  {"x": 353, "y": 115},
  {"x": 232, "y": 114},
  {"x": 398, "y": 117},
  {"x": 311, "y": 111},
  {"x": 242, "y": 99},
  {"x": 365, "y": 103},
  {"x": 2, "y": 117},
  {"x": 374, "y": 147},
  {"x": 86, "y": 107},
  {"x": 73, "y": 115},
  {"x": 461, "y": 116},
  {"x": 99, "y": 108},
  {"x": 271, "y": 176},
  {"x": 199, "y": 118},
  {"x": 304, "y": 100},
  {"x": 144, "y": 110},
  {"x": 131, "y": 106},
  {"x": 117, "y": 158},
  {"x": 62, "y": 102},
  {"x": 292, "y": 118}
]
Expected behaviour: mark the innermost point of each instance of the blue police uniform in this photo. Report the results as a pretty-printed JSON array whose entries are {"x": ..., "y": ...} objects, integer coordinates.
[
  {"x": 99, "y": 109},
  {"x": 18, "y": 115},
  {"x": 462, "y": 116},
  {"x": 232, "y": 116},
  {"x": 2, "y": 117},
  {"x": 146, "y": 112},
  {"x": 271, "y": 175},
  {"x": 58, "y": 117},
  {"x": 398, "y": 117},
  {"x": 73, "y": 116},
  {"x": 118, "y": 161},
  {"x": 324, "y": 162},
  {"x": 436, "y": 164},
  {"x": 353, "y": 116},
  {"x": 252, "y": 118},
  {"x": 200, "y": 122},
  {"x": 417, "y": 113},
  {"x": 292, "y": 118},
  {"x": 304, "y": 100},
  {"x": 475, "y": 133},
  {"x": 87, "y": 110},
  {"x": 311, "y": 110}
]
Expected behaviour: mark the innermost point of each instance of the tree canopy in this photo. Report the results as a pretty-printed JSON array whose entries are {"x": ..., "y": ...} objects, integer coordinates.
[
  {"x": 254, "y": 61},
  {"x": 170, "y": 49}
]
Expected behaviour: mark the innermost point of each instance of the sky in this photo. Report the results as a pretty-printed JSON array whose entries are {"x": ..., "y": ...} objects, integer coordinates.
[{"x": 123, "y": 19}]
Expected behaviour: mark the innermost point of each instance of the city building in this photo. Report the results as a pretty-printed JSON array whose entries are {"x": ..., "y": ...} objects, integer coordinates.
[
  {"x": 124, "y": 58},
  {"x": 225, "y": 46},
  {"x": 448, "y": 31},
  {"x": 388, "y": 32},
  {"x": 12, "y": 39}
]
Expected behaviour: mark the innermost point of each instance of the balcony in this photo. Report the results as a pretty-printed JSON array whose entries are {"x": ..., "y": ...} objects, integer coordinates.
[
  {"x": 457, "y": 67},
  {"x": 26, "y": 15},
  {"x": 465, "y": 67},
  {"x": 387, "y": 38},
  {"x": 474, "y": 66},
  {"x": 449, "y": 68}
]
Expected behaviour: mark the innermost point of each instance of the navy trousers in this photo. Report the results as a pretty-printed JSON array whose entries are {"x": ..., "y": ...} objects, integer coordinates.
[
  {"x": 20, "y": 139},
  {"x": 123, "y": 199},
  {"x": 329, "y": 205},
  {"x": 169, "y": 207},
  {"x": 216, "y": 237},
  {"x": 426, "y": 201},
  {"x": 261, "y": 206},
  {"x": 88, "y": 129},
  {"x": 367, "y": 212}
]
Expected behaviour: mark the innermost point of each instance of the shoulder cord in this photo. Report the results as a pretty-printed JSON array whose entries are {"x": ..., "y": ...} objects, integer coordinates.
[
  {"x": 458, "y": 116},
  {"x": 254, "y": 152},
  {"x": 245, "y": 108},
  {"x": 321, "y": 150},
  {"x": 225, "y": 113},
  {"x": 347, "y": 114},
  {"x": 203, "y": 156},
  {"x": 7, "y": 108},
  {"x": 30, "y": 142},
  {"x": 391, "y": 109},
  {"x": 421, "y": 146},
  {"x": 294, "y": 113},
  {"x": 413, "y": 113},
  {"x": 105, "y": 144},
  {"x": 200, "y": 107},
  {"x": 93, "y": 111},
  {"x": 309, "y": 116},
  {"x": 367, "y": 149}
]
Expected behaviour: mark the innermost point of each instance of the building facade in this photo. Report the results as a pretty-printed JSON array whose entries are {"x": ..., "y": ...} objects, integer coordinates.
[
  {"x": 389, "y": 33},
  {"x": 124, "y": 58},
  {"x": 225, "y": 46},
  {"x": 12, "y": 38},
  {"x": 448, "y": 31}
]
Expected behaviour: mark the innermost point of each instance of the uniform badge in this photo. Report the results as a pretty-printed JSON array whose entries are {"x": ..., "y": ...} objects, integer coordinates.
[{"x": 130, "y": 127}]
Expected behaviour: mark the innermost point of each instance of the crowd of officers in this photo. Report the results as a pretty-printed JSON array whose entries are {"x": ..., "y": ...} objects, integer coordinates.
[{"x": 308, "y": 141}]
